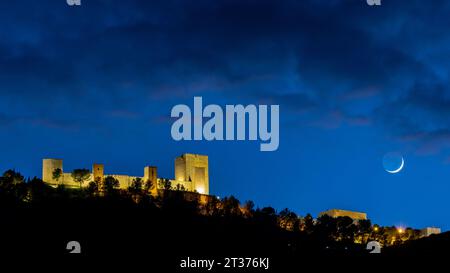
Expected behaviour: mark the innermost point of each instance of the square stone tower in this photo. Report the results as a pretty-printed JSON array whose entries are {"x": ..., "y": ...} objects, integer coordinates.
[
  {"x": 48, "y": 166},
  {"x": 193, "y": 168},
  {"x": 99, "y": 171},
  {"x": 150, "y": 173}
]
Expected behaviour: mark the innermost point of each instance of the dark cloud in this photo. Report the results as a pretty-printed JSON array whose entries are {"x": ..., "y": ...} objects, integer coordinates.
[
  {"x": 421, "y": 116},
  {"x": 317, "y": 56}
]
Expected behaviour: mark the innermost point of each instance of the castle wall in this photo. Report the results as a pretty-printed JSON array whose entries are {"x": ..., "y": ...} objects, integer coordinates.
[
  {"x": 124, "y": 180},
  {"x": 191, "y": 171},
  {"x": 188, "y": 186},
  {"x": 68, "y": 181}
]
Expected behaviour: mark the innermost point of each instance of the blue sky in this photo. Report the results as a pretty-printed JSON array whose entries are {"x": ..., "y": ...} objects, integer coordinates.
[{"x": 96, "y": 83}]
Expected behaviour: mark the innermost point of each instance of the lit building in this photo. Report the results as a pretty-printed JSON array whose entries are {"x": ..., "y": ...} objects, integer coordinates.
[
  {"x": 191, "y": 171},
  {"x": 191, "y": 174},
  {"x": 425, "y": 232},
  {"x": 342, "y": 213}
]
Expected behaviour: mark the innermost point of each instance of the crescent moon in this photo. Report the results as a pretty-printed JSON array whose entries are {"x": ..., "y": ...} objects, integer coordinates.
[{"x": 399, "y": 168}]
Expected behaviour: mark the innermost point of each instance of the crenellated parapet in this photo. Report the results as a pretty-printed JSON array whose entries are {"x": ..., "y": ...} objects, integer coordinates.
[{"x": 191, "y": 174}]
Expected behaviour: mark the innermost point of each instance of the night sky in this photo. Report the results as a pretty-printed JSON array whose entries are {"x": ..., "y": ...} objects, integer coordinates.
[{"x": 96, "y": 83}]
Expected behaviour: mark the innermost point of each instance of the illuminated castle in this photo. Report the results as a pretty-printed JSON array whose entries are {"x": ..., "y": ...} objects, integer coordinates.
[
  {"x": 191, "y": 174},
  {"x": 356, "y": 216}
]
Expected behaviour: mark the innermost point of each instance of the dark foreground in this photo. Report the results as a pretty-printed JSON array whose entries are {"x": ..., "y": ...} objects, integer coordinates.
[
  {"x": 174, "y": 239},
  {"x": 170, "y": 233}
]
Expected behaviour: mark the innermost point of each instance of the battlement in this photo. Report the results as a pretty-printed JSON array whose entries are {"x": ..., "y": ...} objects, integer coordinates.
[{"x": 191, "y": 174}]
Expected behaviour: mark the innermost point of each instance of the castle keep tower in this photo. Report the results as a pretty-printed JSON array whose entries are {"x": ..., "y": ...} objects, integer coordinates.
[
  {"x": 193, "y": 169},
  {"x": 48, "y": 167}
]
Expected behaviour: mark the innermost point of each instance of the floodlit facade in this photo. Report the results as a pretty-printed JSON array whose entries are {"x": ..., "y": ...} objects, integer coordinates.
[
  {"x": 342, "y": 213},
  {"x": 425, "y": 232},
  {"x": 191, "y": 174},
  {"x": 191, "y": 171}
]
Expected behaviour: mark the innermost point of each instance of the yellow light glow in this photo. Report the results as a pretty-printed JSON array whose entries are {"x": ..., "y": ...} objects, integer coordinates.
[
  {"x": 375, "y": 228},
  {"x": 201, "y": 190},
  {"x": 400, "y": 230}
]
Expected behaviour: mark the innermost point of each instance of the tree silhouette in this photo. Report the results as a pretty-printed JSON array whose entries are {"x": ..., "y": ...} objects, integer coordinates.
[
  {"x": 346, "y": 228},
  {"x": 56, "y": 174},
  {"x": 136, "y": 186},
  {"x": 267, "y": 215},
  {"x": 148, "y": 185},
  {"x": 364, "y": 230},
  {"x": 166, "y": 184},
  {"x": 230, "y": 206},
  {"x": 135, "y": 189},
  {"x": 110, "y": 184},
  {"x": 12, "y": 186},
  {"x": 212, "y": 206},
  {"x": 93, "y": 188},
  {"x": 327, "y": 228},
  {"x": 11, "y": 178},
  {"x": 249, "y": 208},
  {"x": 180, "y": 187},
  {"x": 38, "y": 190},
  {"x": 80, "y": 175},
  {"x": 287, "y": 219},
  {"x": 307, "y": 224}
]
